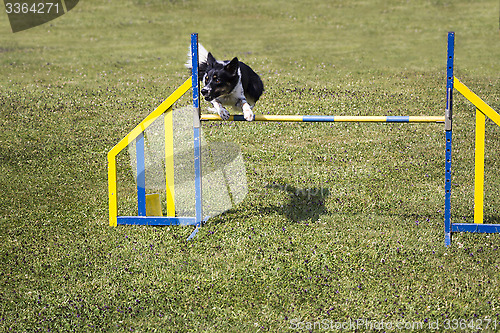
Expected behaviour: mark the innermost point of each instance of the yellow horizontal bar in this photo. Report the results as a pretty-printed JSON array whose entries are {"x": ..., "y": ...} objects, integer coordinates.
[
  {"x": 258, "y": 117},
  {"x": 150, "y": 118},
  {"x": 212, "y": 117},
  {"x": 426, "y": 119},
  {"x": 381, "y": 119},
  {"x": 478, "y": 102},
  {"x": 378, "y": 119},
  {"x": 262, "y": 117}
]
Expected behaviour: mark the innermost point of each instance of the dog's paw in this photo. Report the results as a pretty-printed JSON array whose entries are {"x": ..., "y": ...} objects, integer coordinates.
[
  {"x": 223, "y": 113},
  {"x": 247, "y": 112},
  {"x": 248, "y": 115}
]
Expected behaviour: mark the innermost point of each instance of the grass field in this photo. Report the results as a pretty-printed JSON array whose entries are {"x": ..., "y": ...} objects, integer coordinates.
[{"x": 368, "y": 245}]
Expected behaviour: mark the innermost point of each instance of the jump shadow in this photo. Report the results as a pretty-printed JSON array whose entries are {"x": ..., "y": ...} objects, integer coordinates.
[
  {"x": 302, "y": 204},
  {"x": 491, "y": 219}
]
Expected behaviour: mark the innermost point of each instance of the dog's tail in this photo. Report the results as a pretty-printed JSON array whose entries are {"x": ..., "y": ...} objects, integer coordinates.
[{"x": 202, "y": 56}]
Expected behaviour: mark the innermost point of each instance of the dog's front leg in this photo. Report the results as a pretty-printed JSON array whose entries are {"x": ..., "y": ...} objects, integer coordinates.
[
  {"x": 247, "y": 109},
  {"x": 223, "y": 113}
]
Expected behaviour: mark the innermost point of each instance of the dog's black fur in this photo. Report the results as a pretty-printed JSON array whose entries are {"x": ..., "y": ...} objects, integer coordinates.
[
  {"x": 220, "y": 78},
  {"x": 229, "y": 83}
]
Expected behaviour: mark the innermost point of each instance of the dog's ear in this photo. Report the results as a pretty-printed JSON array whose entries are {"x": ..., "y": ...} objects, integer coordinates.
[
  {"x": 232, "y": 66},
  {"x": 210, "y": 59}
]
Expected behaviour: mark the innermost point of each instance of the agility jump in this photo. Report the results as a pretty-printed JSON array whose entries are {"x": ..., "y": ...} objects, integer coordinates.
[{"x": 137, "y": 134}]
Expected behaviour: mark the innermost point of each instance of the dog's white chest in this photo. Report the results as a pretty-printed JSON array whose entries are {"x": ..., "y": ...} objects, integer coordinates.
[{"x": 233, "y": 99}]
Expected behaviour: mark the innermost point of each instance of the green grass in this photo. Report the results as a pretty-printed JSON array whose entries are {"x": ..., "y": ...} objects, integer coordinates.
[{"x": 366, "y": 241}]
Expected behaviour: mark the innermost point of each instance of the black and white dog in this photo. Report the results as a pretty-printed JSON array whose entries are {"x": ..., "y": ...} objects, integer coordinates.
[{"x": 228, "y": 83}]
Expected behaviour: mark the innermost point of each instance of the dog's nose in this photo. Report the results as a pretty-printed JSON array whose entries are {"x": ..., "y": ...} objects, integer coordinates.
[{"x": 205, "y": 91}]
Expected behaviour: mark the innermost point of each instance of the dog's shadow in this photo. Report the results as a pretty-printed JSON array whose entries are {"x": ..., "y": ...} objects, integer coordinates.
[{"x": 302, "y": 204}]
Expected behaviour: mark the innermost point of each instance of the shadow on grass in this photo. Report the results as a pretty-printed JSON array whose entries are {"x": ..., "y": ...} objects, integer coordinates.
[
  {"x": 308, "y": 205},
  {"x": 302, "y": 204},
  {"x": 491, "y": 219}
]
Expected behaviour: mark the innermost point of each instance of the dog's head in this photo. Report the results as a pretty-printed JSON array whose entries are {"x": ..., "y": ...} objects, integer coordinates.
[{"x": 220, "y": 77}]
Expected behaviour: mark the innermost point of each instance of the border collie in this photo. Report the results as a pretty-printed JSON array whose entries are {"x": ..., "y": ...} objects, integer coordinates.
[{"x": 228, "y": 83}]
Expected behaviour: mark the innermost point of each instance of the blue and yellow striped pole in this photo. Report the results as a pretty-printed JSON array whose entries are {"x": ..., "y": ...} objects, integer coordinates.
[{"x": 312, "y": 118}]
